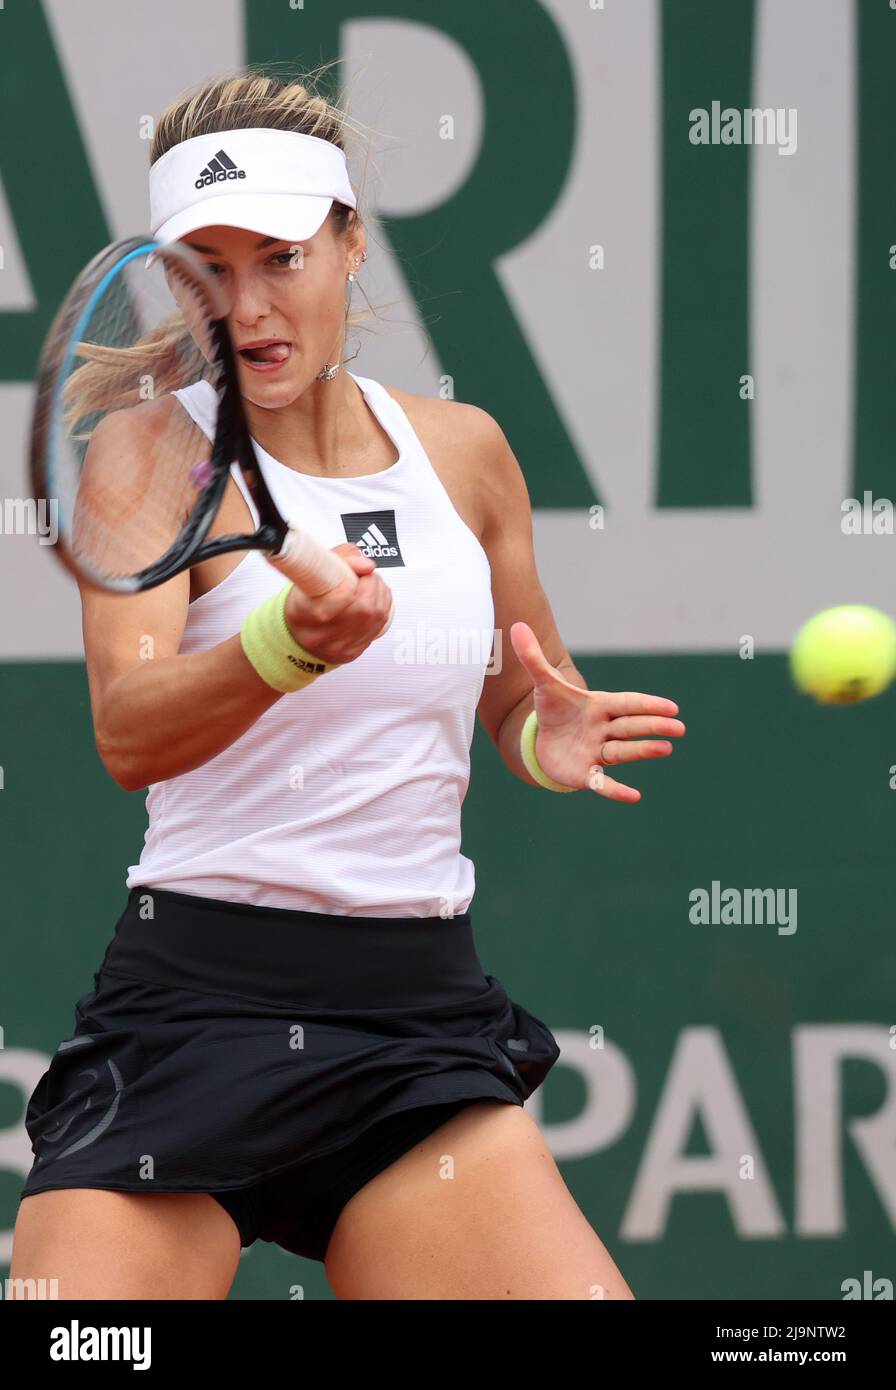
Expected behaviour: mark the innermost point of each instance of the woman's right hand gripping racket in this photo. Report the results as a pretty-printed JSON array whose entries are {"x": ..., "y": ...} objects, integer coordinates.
[{"x": 141, "y": 321}]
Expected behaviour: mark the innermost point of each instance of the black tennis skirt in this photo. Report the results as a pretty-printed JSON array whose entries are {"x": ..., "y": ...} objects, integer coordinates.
[{"x": 276, "y": 1059}]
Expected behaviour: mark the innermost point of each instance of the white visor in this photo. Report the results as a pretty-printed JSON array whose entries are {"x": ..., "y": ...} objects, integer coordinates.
[{"x": 274, "y": 182}]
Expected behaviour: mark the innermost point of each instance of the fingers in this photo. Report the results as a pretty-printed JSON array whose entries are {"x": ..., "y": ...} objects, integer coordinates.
[
  {"x": 370, "y": 607},
  {"x": 633, "y": 725},
  {"x": 599, "y": 782},
  {"x": 636, "y": 702},
  {"x": 340, "y": 625},
  {"x": 532, "y": 658},
  {"x": 374, "y": 596},
  {"x": 328, "y": 605},
  {"x": 355, "y": 558},
  {"x": 614, "y": 751},
  {"x": 368, "y": 594}
]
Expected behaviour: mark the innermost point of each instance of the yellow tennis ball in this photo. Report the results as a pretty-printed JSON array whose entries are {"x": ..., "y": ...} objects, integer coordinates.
[{"x": 845, "y": 654}]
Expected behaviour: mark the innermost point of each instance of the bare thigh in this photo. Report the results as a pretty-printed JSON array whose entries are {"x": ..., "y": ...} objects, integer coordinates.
[
  {"x": 102, "y": 1244},
  {"x": 477, "y": 1210}
]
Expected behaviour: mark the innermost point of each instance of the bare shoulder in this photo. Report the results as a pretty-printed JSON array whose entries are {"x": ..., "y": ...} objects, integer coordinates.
[
  {"x": 153, "y": 443},
  {"x": 459, "y": 421},
  {"x": 147, "y": 414},
  {"x": 470, "y": 449},
  {"x": 143, "y": 423},
  {"x": 161, "y": 425}
]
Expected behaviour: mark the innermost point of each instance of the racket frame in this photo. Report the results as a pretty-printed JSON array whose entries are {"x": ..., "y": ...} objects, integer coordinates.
[{"x": 232, "y": 442}]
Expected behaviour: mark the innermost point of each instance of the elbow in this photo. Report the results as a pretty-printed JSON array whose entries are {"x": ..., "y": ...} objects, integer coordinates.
[
  {"x": 130, "y": 783},
  {"x": 125, "y": 775},
  {"x": 119, "y": 764}
]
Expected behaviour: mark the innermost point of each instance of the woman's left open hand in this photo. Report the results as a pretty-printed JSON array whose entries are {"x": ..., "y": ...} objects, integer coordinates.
[{"x": 580, "y": 732}]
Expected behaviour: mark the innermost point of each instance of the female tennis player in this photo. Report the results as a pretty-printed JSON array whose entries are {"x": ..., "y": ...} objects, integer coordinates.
[{"x": 290, "y": 1036}]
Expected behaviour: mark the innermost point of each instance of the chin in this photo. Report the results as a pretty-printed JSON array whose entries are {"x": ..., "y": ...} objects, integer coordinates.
[{"x": 270, "y": 393}]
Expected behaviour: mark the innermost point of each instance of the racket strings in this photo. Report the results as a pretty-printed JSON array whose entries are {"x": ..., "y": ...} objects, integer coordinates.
[{"x": 127, "y": 455}]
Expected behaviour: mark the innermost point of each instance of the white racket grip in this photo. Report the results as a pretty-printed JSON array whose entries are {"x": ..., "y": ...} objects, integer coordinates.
[
  {"x": 316, "y": 570},
  {"x": 311, "y": 567}
]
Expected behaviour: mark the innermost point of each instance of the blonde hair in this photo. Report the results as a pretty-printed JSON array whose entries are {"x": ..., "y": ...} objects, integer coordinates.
[{"x": 255, "y": 98}]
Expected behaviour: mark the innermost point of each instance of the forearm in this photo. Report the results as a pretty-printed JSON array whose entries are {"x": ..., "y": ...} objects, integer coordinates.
[
  {"x": 168, "y": 716},
  {"x": 512, "y": 727}
]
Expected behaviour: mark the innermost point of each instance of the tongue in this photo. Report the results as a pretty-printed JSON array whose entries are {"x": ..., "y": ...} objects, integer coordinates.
[{"x": 274, "y": 352}]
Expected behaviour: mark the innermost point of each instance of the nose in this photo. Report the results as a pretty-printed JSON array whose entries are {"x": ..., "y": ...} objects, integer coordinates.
[{"x": 248, "y": 297}]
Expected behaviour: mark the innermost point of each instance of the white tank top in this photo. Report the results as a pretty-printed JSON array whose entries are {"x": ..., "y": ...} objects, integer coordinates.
[{"x": 344, "y": 797}]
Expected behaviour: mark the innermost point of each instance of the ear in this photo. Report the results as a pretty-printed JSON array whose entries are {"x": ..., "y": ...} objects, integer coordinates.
[{"x": 356, "y": 242}]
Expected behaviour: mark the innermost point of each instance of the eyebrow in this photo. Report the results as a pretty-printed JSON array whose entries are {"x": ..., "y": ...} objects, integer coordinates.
[{"x": 212, "y": 251}]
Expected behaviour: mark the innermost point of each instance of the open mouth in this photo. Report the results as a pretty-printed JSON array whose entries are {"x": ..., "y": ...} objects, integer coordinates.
[{"x": 266, "y": 357}]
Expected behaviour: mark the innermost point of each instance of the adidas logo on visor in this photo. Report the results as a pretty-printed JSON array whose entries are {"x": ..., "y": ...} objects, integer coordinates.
[{"x": 218, "y": 170}]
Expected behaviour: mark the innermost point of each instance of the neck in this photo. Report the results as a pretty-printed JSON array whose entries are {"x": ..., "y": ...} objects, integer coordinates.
[{"x": 323, "y": 432}]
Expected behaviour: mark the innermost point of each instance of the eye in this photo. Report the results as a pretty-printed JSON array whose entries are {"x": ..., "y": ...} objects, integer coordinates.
[
  {"x": 214, "y": 269},
  {"x": 291, "y": 259}
]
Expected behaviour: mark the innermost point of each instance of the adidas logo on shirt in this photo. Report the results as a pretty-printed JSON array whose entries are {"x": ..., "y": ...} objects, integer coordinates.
[
  {"x": 220, "y": 168},
  {"x": 376, "y": 535},
  {"x": 374, "y": 543}
]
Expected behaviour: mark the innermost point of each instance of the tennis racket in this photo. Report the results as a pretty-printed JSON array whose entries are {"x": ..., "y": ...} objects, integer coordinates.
[{"x": 135, "y": 481}]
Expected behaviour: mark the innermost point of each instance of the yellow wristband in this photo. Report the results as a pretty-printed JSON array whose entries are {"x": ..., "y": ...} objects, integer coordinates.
[
  {"x": 527, "y": 749},
  {"x": 281, "y": 661}
]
